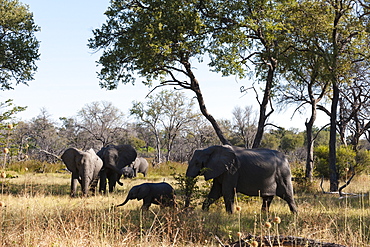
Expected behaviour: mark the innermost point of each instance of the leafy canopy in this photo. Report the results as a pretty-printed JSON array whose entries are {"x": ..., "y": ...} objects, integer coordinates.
[
  {"x": 153, "y": 38},
  {"x": 18, "y": 45}
]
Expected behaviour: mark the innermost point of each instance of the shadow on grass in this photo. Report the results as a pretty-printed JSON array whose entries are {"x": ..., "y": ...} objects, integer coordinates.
[{"x": 33, "y": 189}]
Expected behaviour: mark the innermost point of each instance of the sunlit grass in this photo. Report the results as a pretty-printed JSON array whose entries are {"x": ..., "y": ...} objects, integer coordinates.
[{"x": 37, "y": 211}]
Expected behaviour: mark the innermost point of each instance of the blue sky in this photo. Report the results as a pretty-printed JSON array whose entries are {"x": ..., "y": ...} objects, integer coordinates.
[{"x": 66, "y": 79}]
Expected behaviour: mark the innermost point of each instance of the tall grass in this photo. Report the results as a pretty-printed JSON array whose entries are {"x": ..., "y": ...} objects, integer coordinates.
[{"x": 39, "y": 212}]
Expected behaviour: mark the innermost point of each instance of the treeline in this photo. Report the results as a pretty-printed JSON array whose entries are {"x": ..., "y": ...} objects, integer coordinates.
[{"x": 164, "y": 128}]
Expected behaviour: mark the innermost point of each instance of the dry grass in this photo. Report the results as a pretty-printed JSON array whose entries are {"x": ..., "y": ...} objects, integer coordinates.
[{"x": 39, "y": 212}]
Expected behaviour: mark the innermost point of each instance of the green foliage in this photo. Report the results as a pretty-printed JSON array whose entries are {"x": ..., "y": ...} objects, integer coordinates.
[
  {"x": 153, "y": 39},
  {"x": 18, "y": 44},
  {"x": 283, "y": 140},
  {"x": 346, "y": 158}
]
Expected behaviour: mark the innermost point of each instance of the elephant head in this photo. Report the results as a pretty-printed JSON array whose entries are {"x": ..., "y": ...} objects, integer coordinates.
[
  {"x": 212, "y": 162},
  {"x": 138, "y": 192},
  {"x": 115, "y": 158},
  {"x": 85, "y": 168},
  {"x": 128, "y": 172}
]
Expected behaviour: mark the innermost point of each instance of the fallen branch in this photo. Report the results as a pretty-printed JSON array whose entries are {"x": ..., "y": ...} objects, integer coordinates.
[
  {"x": 282, "y": 241},
  {"x": 347, "y": 183},
  {"x": 341, "y": 194}
]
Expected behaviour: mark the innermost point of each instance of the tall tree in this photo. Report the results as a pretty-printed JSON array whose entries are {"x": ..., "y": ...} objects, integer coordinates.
[
  {"x": 248, "y": 34},
  {"x": 154, "y": 40},
  {"x": 340, "y": 39},
  {"x": 307, "y": 82},
  {"x": 18, "y": 44}
]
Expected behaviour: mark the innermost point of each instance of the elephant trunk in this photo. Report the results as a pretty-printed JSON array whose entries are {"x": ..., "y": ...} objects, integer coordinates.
[
  {"x": 127, "y": 199},
  {"x": 85, "y": 182},
  {"x": 189, "y": 188}
]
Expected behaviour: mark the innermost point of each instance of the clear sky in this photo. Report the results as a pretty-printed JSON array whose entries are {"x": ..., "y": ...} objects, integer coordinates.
[{"x": 66, "y": 78}]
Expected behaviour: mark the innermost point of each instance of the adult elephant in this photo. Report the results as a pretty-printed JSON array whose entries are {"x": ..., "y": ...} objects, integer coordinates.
[
  {"x": 85, "y": 168},
  {"x": 115, "y": 158},
  {"x": 140, "y": 165},
  {"x": 253, "y": 172}
]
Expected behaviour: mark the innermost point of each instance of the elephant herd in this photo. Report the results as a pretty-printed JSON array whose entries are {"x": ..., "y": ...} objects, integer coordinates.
[
  {"x": 253, "y": 172},
  {"x": 110, "y": 163}
]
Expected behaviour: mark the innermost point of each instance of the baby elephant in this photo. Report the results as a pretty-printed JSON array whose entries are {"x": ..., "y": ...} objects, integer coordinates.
[{"x": 157, "y": 193}]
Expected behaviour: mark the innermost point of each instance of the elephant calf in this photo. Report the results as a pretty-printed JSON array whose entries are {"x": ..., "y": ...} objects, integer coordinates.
[{"x": 157, "y": 193}]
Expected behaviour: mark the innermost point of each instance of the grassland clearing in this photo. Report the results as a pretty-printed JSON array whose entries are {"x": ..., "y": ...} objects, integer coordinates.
[{"x": 37, "y": 211}]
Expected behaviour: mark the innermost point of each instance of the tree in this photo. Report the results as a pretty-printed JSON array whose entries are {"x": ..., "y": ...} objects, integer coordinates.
[
  {"x": 307, "y": 83},
  {"x": 165, "y": 113},
  {"x": 345, "y": 44},
  {"x": 354, "y": 109},
  {"x": 177, "y": 112},
  {"x": 42, "y": 135},
  {"x": 335, "y": 44},
  {"x": 156, "y": 41},
  {"x": 149, "y": 116},
  {"x": 18, "y": 44},
  {"x": 102, "y": 121},
  {"x": 244, "y": 125},
  {"x": 245, "y": 35}
]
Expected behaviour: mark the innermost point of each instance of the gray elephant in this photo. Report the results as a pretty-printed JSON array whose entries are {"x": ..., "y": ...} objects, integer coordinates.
[
  {"x": 140, "y": 165},
  {"x": 253, "y": 172},
  {"x": 115, "y": 158},
  {"x": 157, "y": 193},
  {"x": 85, "y": 168},
  {"x": 128, "y": 172}
]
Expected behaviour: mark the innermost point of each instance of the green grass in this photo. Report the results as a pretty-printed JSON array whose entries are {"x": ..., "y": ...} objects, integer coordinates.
[{"x": 39, "y": 212}]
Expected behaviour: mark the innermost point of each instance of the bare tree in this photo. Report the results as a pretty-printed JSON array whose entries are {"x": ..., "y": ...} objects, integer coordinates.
[
  {"x": 244, "y": 124},
  {"x": 103, "y": 121}
]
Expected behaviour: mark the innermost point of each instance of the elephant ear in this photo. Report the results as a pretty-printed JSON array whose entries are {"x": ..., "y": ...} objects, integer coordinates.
[
  {"x": 220, "y": 159},
  {"x": 143, "y": 191},
  {"x": 70, "y": 158},
  {"x": 127, "y": 155}
]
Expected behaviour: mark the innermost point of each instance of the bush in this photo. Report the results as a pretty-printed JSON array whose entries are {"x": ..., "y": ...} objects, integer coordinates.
[
  {"x": 35, "y": 166},
  {"x": 346, "y": 158}
]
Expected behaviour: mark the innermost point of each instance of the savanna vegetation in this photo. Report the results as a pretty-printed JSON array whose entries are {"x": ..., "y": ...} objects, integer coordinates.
[
  {"x": 36, "y": 210},
  {"x": 310, "y": 55}
]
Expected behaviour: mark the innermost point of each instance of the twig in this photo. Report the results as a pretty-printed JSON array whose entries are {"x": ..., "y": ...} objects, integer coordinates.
[{"x": 219, "y": 241}]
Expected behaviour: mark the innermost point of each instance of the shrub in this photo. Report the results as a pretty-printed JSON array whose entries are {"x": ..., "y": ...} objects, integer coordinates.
[{"x": 346, "y": 158}]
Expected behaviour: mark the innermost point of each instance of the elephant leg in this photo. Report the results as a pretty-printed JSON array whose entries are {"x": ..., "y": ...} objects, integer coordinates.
[
  {"x": 266, "y": 202},
  {"x": 93, "y": 186},
  {"x": 146, "y": 204},
  {"x": 103, "y": 182},
  {"x": 74, "y": 180},
  {"x": 112, "y": 179},
  {"x": 213, "y": 195},
  {"x": 229, "y": 199}
]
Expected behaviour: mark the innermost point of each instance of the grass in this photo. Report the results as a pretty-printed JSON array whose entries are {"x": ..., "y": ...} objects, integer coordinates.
[{"x": 39, "y": 212}]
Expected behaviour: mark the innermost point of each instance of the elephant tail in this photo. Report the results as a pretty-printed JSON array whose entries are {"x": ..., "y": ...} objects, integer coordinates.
[{"x": 127, "y": 199}]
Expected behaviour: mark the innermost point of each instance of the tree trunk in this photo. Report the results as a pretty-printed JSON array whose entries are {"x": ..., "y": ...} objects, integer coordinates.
[
  {"x": 196, "y": 89},
  {"x": 310, "y": 145},
  {"x": 263, "y": 105},
  {"x": 158, "y": 147},
  {"x": 334, "y": 177}
]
